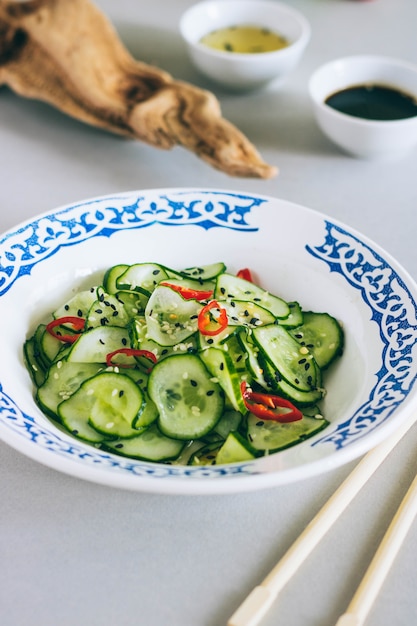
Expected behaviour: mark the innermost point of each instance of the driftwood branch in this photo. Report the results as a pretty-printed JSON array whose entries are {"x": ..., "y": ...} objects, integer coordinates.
[{"x": 67, "y": 53}]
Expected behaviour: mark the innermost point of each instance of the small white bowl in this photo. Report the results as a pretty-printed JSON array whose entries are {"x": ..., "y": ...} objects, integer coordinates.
[
  {"x": 365, "y": 138},
  {"x": 244, "y": 70}
]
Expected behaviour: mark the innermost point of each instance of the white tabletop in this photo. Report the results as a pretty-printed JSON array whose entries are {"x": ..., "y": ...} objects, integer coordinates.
[{"x": 74, "y": 553}]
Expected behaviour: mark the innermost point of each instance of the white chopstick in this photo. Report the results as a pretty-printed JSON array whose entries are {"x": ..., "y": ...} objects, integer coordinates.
[
  {"x": 377, "y": 571},
  {"x": 257, "y": 603}
]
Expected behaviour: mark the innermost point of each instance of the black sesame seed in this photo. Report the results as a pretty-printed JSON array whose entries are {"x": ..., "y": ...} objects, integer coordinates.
[
  {"x": 254, "y": 320},
  {"x": 124, "y": 341},
  {"x": 193, "y": 383},
  {"x": 121, "y": 393},
  {"x": 118, "y": 445},
  {"x": 222, "y": 290},
  {"x": 307, "y": 366},
  {"x": 260, "y": 423},
  {"x": 221, "y": 366},
  {"x": 99, "y": 311},
  {"x": 102, "y": 342},
  {"x": 66, "y": 307},
  {"x": 301, "y": 361},
  {"x": 210, "y": 392},
  {"x": 75, "y": 432}
]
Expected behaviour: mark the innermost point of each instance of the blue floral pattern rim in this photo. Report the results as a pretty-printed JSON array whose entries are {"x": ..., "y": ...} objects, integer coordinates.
[{"x": 390, "y": 302}]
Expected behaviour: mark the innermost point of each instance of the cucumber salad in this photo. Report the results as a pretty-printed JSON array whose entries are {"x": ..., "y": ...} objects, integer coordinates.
[{"x": 196, "y": 366}]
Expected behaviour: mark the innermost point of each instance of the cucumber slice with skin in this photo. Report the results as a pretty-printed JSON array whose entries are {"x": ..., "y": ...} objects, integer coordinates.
[
  {"x": 49, "y": 346},
  {"x": 274, "y": 383},
  {"x": 248, "y": 314},
  {"x": 64, "y": 378},
  {"x": 33, "y": 363},
  {"x": 203, "y": 273},
  {"x": 229, "y": 422},
  {"x": 188, "y": 401},
  {"x": 294, "y": 362},
  {"x": 94, "y": 345},
  {"x": 111, "y": 276},
  {"x": 271, "y": 436},
  {"x": 323, "y": 336},
  {"x": 220, "y": 366},
  {"x": 230, "y": 287},
  {"x": 295, "y": 318},
  {"x": 142, "y": 277},
  {"x": 108, "y": 402},
  {"x": 234, "y": 450},
  {"x": 78, "y": 305},
  {"x": 151, "y": 445},
  {"x": 107, "y": 310}
]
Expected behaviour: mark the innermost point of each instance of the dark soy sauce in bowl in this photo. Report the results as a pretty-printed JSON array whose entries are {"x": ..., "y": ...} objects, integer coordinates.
[{"x": 374, "y": 102}]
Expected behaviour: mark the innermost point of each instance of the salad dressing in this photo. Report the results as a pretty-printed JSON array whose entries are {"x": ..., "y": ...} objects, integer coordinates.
[{"x": 245, "y": 39}]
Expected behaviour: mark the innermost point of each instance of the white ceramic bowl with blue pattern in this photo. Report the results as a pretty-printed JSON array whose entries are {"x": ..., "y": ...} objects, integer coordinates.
[{"x": 297, "y": 253}]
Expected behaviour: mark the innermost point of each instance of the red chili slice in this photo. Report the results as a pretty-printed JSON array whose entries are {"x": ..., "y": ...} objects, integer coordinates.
[
  {"x": 189, "y": 294},
  {"x": 210, "y": 325},
  {"x": 267, "y": 406},
  {"x": 246, "y": 274},
  {"x": 129, "y": 352},
  {"x": 78, "y": 323}
]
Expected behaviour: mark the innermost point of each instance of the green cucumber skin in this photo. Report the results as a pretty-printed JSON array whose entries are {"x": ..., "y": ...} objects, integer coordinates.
[{"x": 190, "y": 403}]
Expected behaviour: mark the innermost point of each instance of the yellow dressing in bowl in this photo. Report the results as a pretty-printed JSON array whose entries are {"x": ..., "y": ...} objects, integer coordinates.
[{"x": 244, "y": 39}]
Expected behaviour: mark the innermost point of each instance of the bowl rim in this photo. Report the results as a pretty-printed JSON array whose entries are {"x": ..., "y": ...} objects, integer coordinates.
[
  {"x": 299, "y": 42},
  {"x": 107, "y": 212}
]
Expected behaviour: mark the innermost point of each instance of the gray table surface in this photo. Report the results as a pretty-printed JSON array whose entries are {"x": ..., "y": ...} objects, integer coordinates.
[{"x": 74, "y": 553}]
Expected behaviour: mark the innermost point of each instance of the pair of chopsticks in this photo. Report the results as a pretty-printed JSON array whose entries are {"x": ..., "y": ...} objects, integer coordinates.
[{"x": 257, "y": 603}]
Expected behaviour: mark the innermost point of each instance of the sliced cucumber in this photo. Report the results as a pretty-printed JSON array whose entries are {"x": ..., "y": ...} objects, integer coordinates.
[
  {"x": 142, "y": 277},
  {"x": 234, "y": 450},
  {"x": 49, "y": 346},
  {"x": 108, "y": 402},
  {"x": 111, "y": 276},
  {"x": 34, "y": 364},
  {"x": 229, "y": 422},
  {"x": 221, "y": 367},
  {"x": 203, "y": 273},
  {"x": 107, "y": 310},
  {"x": 295, "y": 317},
  {"x": 271, "y": 436},
  {"x": 230, "y": 287},
  {"x": 245, "y": 313},
  {"x": 94, "y": 345},
  {"x": 190, "y": 403},
  {"x": 64, "y": 378},
  {"x": 294, "y": 362},
  {"x": 78, "y": 305},
  {"x": 151, "y": 445},
  {"x": 323, "y": 336}
]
